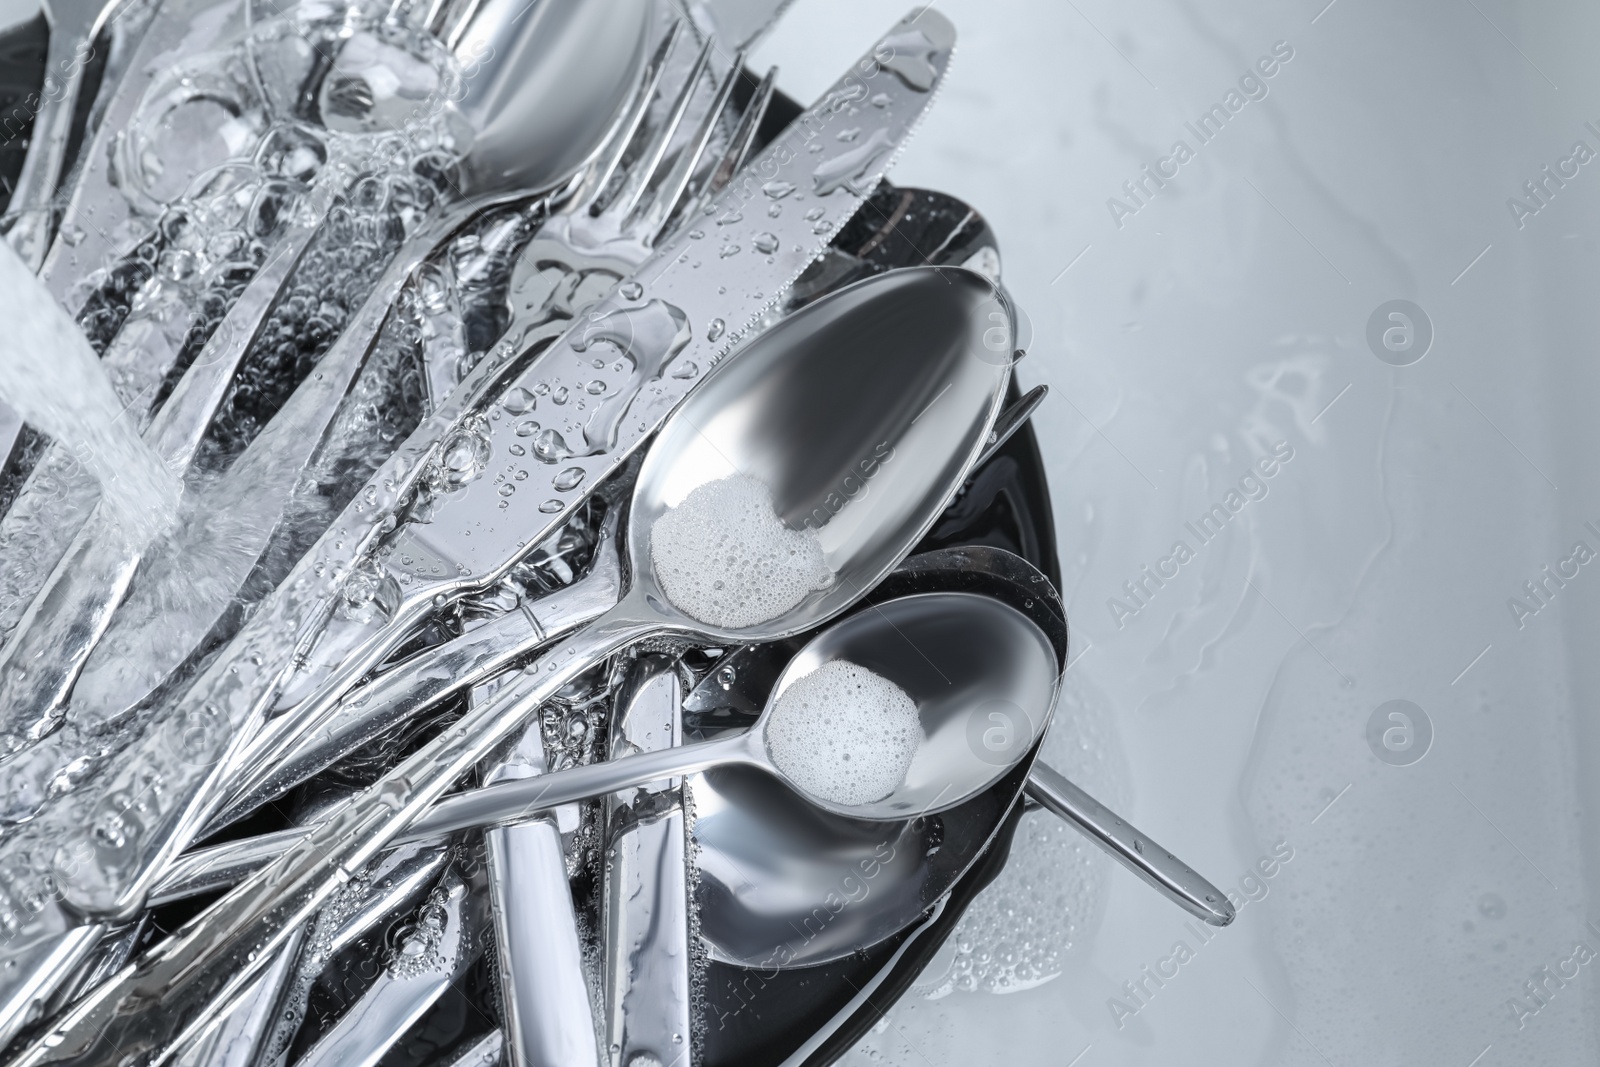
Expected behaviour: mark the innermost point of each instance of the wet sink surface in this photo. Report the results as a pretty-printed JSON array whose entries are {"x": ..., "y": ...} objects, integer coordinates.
[{"x": 1339, "y": 696}]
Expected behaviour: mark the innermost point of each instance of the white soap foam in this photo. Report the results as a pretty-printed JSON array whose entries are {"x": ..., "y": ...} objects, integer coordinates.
[
  {"x": 724, "y": 557},
  {"x": 844, "y": 734}
]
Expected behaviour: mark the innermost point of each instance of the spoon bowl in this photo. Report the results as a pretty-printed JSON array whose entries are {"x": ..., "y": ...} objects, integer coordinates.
[
  {"x": 540, "y": 89},
  {"x": 902, "y": 373},
  {"x": 983, "y": 676}
]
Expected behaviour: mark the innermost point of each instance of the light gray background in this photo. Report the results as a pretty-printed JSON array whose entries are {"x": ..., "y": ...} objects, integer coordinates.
[{"x": 1225, "y": 316}]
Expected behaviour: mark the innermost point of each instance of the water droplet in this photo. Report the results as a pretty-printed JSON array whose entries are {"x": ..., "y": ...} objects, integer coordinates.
[
  {"x": 463, "y": 455},
  {"x": 729, "y": 251},
  {"x": 765, "y": 243},
  {"x": 506, "y": 489},
  {"x": 685, "y": 369},
  {"x": 527, "y": 428},
  {"x": 550, "y": 507},
  {"x": 847, "y": 136},
  {"x": 569, "y": 479},
  {"x": 777, "y": 190},
  {"x": 560, "y": 395},
  {"x": 518, "y": 400},
  {"x": 595, "y": 388},
  {"x": 726, "y": 675},
  {"x": 815, "y": 213},
  {"x": 774, "y": 210},
  {"x": 880, "y": 100},
  {"x": 631, "y": 290},
  {"x": 714, "y": 331},
  {"x": 551, "y": 447}
]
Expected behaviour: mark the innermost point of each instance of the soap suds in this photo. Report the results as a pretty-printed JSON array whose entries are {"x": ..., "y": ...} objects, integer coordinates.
[
  {"x": 844, "y": 734},
  {"x": 725, "y": 558}
]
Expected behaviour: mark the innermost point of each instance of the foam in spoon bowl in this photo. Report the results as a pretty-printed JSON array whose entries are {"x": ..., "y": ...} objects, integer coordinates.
[
  {"x": 844, "y": 734},
  {"x": 724, "y": 557}
]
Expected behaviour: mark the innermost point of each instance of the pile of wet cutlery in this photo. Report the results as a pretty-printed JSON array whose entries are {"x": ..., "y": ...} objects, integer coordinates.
[{"x": 410, "y": 739}]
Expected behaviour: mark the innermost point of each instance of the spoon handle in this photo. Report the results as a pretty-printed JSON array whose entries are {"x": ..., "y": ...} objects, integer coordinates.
[
  {"x": 1129, "y": 847},
  {"x": 512, "y": 801}
]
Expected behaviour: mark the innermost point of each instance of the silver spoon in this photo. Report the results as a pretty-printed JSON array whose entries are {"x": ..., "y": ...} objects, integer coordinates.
[
  {"x": 964, "y": 658},
  {"x": 896, "y": 362}
]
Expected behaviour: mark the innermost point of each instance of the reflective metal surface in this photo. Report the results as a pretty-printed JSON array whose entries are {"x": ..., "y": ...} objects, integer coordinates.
[
  {"x": 623, "y": 243},
  {"x": 426, "y": 961},
  {"x": 413, "y": 686},
  {"x": 533, "y": 130},
  {"x": 214, "y": 953},
  {"x": 1163, "y": 871},
  {"x": 649, "y": 965},
  {"x": 472, "y": 539},
  {"x": 237, "y": 1038},
  {"x": 30, "y": 215},
  {"x": 547, "y": 86},
  {"x": 983, "y": 676},
  {"x": 97, "y": 215},
  {"x": 885, "y": 399},
  {"x": 544, "y": 994}
]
